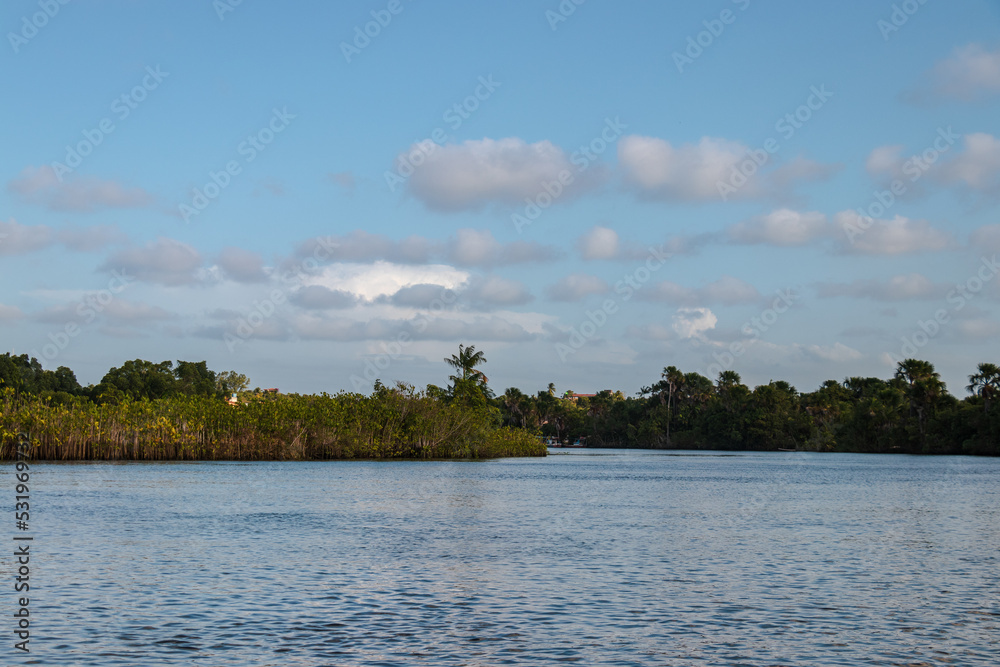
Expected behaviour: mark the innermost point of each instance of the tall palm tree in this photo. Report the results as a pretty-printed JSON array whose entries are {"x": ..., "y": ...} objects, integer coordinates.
[
  {"x": 466, "y": 361},
  {"x": 986, "y": 383},
  {"x": 923, "y": 387}
]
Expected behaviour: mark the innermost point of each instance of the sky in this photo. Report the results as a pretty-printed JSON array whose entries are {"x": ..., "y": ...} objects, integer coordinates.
[{"x": 321, "y": 194}]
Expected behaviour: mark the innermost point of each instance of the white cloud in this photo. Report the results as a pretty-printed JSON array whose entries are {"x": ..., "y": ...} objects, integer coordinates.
[
  {"x": 885, "y": 162},
  {"x": 17, "y": 239},
  {"x": 164, "y": 261},
  {"x": 969, "y": 74},
  {"x": 599, "y": 243},
  {"x": 84, "y": 194},
  {"x": 496, "y": 291},
  {"x": 241, "y": 265},
  {"x": 977, "y": 167},
  {"x": 506, "y": 171},
  {"x": 898, "y": 236},
  {"x": 370, "y": 281},
  {"x": 474, "y": 247},
  {"x": 783, "y": 227},
  {"x": 317, "y": 297},
  {"x": 576, "y": 287},
  {"x": 693, "y": 322},
  {"x": 658, "y": 170}
]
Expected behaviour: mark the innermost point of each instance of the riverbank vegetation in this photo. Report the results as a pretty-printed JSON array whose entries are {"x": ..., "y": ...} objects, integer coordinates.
[
  {"x": 911, "y": 412},
  {"x": 148, "y": 411},
  {"x": 165, "y": 411}
]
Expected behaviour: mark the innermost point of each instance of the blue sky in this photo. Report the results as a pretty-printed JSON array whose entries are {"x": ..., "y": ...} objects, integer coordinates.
[{"x": 246, "y": 196}]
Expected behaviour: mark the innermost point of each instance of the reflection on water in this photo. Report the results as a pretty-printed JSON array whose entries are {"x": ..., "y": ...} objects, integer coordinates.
[{"x": 595, "y": 557}]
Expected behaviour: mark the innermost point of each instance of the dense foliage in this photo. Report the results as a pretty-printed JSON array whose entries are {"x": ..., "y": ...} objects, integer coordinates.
[
  {"x": 148, "y": 411},
  {"x": 912, "y": 412}
]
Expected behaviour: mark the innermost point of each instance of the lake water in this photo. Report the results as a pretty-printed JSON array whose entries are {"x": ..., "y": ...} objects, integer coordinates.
[{"x": 593, "y": 557}]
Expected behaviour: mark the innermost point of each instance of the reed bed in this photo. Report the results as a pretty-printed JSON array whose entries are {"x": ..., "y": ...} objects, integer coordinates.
[{"x": 393, "y": 424}]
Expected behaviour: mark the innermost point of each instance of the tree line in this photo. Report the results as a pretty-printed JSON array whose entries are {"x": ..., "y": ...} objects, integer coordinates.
[{"x": 911, "y": 412}]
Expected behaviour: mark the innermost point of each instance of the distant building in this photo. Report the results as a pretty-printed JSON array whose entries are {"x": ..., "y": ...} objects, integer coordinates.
[{"x": 572, "y": 396}]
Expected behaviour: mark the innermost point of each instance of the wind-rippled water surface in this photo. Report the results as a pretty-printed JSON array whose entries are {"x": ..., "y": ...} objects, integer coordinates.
[{"x": 594, "y": 557}]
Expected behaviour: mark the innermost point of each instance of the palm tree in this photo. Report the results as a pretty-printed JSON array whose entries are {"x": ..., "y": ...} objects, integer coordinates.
[
  {"x": 466, "y": 361},
  {"x": 986, "y": 383},
  {"x": 923, "y": 388}
]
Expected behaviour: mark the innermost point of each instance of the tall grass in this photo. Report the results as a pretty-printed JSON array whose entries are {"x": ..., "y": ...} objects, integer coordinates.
[{"x": 397, "y": 423}]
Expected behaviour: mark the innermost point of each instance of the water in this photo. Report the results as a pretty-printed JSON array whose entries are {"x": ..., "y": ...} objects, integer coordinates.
[{"x": 593, "y": 557}]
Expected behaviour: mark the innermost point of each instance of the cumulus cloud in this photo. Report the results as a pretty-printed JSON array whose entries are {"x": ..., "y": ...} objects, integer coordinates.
[
  {"x": 658, "y": 170},
  {"x": 475, "y": 247},
  {"x": 885, "y": 162},
  {"x": 242, "y": 266},
  {"x": 118, "y": 311},
  {"x": 898, "y": 288},
  {"x": 726, "y": 290},
  {"x": 986, "y": 238},
  {"x": 576, "y": 287},
  {"x": 599, "y": 243},
  {"x": 164, "y": 261},
  {"x": 424, "y": 296},
  {"x": 504, "y": 171},
  {"x": 17, "y": 239},
  {"x": 496, "y": 291},
  {"x": 971, "y": 73},
  {"x": 317, "y": 297},
  {"x": 693, "y": 322},
  {"x": 383, "y": 279},
  {"x": 977, "y": 167},
  {"x": 83, "y": 194},
  {"x": 899, "y": 236},
  {"x": 783, "y": 227}
]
